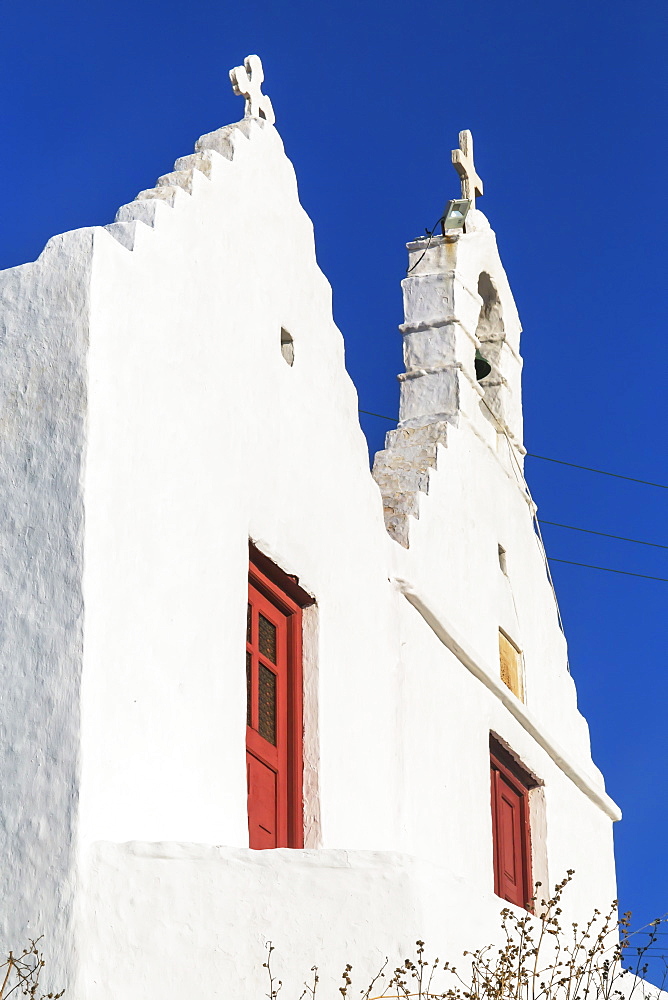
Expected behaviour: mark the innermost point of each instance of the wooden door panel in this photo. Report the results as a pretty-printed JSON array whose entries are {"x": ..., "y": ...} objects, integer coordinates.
[
  {"x": 510, "y": 842},
  {"x": 507, "y": 844},
  {"x": 262, "y": 804}
]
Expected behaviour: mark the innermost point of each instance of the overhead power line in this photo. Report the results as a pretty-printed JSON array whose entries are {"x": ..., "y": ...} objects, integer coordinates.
[
  {"x": 608, "y": 569},
  {"x": 604, "y": 534},
  {"x": 601, "y": 472},
  {"x": 572, "y": 527},
  {"x": 557, "y": 461},
  {"x": 381, "y": 416}
]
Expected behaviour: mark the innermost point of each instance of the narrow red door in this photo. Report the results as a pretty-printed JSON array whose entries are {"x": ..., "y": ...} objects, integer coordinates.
[
  {"x": 273, "y": 715},
  {"x": 510, "y": 827}
]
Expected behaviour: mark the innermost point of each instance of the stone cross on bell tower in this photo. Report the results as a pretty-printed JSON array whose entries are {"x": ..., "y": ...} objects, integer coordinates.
[
  {"x": 247, "y": 82},
  {"x": 462, "y": 160}
]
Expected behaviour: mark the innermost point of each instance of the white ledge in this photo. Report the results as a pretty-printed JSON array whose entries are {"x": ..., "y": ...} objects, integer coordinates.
[{"x": 466, "y": 656}]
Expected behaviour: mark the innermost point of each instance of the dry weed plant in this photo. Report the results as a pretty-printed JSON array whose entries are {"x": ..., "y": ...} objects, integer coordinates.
[
  {"x": 539, "y": 959},
  {"x": 20, "y": 974}
]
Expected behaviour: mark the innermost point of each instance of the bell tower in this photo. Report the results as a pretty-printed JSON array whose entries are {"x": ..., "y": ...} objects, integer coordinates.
[{"x": 461, "y": 337}]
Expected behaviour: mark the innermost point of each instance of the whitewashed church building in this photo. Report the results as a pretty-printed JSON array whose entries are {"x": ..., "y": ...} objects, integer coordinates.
[{"x": 252, "y": 690}]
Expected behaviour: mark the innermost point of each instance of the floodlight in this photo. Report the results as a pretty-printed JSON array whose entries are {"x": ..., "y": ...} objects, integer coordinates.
[{"x": 455, "y": 213}]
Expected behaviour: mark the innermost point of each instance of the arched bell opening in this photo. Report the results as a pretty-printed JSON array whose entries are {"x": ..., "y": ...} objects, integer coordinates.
[{"x": 491, "y": 333}]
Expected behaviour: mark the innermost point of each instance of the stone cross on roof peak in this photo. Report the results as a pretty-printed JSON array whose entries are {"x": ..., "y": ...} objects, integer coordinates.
[
  {"x": 247, "y": 82},
  {"x": 462, "y": 160}
]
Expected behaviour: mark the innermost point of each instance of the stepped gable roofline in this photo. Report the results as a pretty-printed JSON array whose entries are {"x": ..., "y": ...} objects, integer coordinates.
[
  {"x": 171, "y": 188},
  {"x": 170, "y": 191}
]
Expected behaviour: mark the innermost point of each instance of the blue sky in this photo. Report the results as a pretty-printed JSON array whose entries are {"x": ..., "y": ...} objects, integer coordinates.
[{"x": 567, "y": 103}]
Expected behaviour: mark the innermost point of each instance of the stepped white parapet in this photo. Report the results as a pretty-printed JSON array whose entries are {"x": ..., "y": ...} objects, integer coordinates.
[{"x": 224, "y": 141}]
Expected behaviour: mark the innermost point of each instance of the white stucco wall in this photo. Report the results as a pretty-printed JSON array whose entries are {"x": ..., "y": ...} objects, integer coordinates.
[
  {"x": 200, "y": 437},
  {"x": 167, "y": 414},
  {"x": 43, "y": 342}
]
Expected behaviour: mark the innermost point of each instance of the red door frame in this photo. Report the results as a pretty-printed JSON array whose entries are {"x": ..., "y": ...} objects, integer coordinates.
[
  {"x": 281, "y": 592},
  {"x": 504, "y": 767},
  {"x": 267, "y": 749}
]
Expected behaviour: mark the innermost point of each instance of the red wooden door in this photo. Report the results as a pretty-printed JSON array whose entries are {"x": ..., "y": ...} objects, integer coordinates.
[
  {"x": 273, "y": 716},
  {"x": 510, "y": 826}
]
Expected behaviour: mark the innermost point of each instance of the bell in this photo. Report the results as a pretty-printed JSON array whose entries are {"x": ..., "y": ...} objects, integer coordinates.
[{"x": 482, "y": 366}]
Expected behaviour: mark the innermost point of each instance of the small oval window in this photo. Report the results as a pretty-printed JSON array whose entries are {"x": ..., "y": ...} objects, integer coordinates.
[{"x": 287, "y": 347}]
